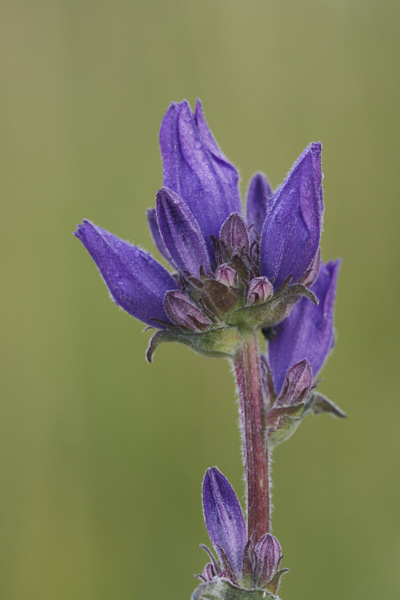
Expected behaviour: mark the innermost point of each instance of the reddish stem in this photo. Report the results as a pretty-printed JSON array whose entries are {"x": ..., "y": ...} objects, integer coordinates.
[{"x": 255, "y": 446}]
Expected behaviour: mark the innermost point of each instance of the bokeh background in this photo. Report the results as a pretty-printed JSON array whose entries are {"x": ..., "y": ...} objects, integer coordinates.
[{"x": 101, "y": 454}]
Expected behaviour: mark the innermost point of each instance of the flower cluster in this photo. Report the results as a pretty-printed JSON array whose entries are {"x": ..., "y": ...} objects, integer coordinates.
[
  {"x": 242, "y": 563},
  {"x": 234, "y": 274}
]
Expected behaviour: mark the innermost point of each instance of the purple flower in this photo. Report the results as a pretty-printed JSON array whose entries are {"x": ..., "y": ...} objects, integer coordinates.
[
  {"x": 296, "y": 353},
  {"x": 247, "y": 563},
  {"x": 290, "y": 234},
  {"x": 136, "y": 281},
  {"x": 228, "y": 272},
  {"x": 308, "y": 332},
  {"x": 224, "y": 520}
]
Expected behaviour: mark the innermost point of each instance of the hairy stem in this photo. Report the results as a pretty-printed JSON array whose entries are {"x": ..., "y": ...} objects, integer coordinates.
[{"x": 255, "y": 447}]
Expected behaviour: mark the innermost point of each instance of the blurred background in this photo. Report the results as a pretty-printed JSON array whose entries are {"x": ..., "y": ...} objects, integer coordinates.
[{"x": 102, "y": 455}]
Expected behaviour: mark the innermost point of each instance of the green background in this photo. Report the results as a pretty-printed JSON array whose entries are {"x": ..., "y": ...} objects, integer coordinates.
[{"x": 102, "y": 455}]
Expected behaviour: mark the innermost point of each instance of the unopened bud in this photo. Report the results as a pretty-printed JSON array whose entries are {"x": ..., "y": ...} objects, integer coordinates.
[
  {"x": 268, "y": 555},
  {"x": 235, "y": 236},
  {"x": 227, "y": 275},
  {"x": 224, "y": 521},
  {"x": 184, "y": 312},
  {"x": 297, "y": 384},
  {"x": 260, "y": 290}
]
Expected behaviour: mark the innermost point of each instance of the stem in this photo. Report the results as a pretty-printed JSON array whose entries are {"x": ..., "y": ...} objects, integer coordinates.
[{"x": 255, "y": 446}]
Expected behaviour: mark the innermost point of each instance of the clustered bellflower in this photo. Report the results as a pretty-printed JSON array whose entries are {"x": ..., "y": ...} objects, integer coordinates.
[
  {"x": 231, "y": 272},
  {"x": 231, "y": 275}
]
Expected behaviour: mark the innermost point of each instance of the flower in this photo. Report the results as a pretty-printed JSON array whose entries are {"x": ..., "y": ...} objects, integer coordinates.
[
  {"x": 242, "y": 562},
  {"x": 230, "y": 274},
  {"x": 296, "y": 353}
]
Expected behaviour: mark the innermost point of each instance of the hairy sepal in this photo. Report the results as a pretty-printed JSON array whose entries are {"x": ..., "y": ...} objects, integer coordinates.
[
  {"x": 284, "y": 421},
  {"x": 221, "y": 342},
  {"x": 222, "y": 589},
  {"x": 274, "y": 310},
  {"x": 321, "y": 404}
]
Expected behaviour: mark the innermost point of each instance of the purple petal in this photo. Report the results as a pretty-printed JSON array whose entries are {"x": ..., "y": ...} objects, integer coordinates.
[
  {"x": 224, "y": 518},
  {"x": 259, "y": 194},
  {"x": 181, "y": 234},
  {"x": 307, "y": 333},
  {"x": 196, "y": 170},
  {"x": 311, "y": 275},
  {"x": 227, "y": 173},
  {"x": 268, "y": 554},
  {"x": 136, "y": 281},
  {"x": 156, "y": 235},
  {"x": 292, "y": 229}
]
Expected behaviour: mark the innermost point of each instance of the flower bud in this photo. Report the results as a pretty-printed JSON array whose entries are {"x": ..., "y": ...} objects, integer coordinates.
[
  {"x": 260, "y": 290},
  {"x": 224, "y": 520},
  {"x": 184, "y": 312},
  {"x": 297, "y": 384},
  {"x": 268, "y": 555},
  {"x": 227, "y": 275},
  {"x": 235, "y": 236}
]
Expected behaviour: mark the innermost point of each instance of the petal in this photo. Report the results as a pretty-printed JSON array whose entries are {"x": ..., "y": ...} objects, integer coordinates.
[
  {"x": 224, "y": 518},
  {"x": 181, "y": 234},
  {"x": 156, "y": 235},
  {"x": 311, "y": 275},
  {"x": 227, "y": 173},
  {"x": 307, "y": 333},
  {"x": 196, "y": 170},
  {"x": 292, "y": 229},
  {"x": 136, "y": 281},
  {"x": 259, "y": 194}
]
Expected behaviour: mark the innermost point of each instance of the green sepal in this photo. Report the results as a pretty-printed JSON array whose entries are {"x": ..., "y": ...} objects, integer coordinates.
[
  {"x": 321, "y": 404},
  {"x": 274, "y": 310},
  {"x": 223, "y": 589},
  {"x": 275, "y": 581},
  {"x": 284, "y": 433},
  {"x": 278, "y": 412},
  {"x": 219, "y": 298},
  {"x": 221, "y": 342},
  {"x": 288, "y": 423},
  {"x": 288, "y": 418}
]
